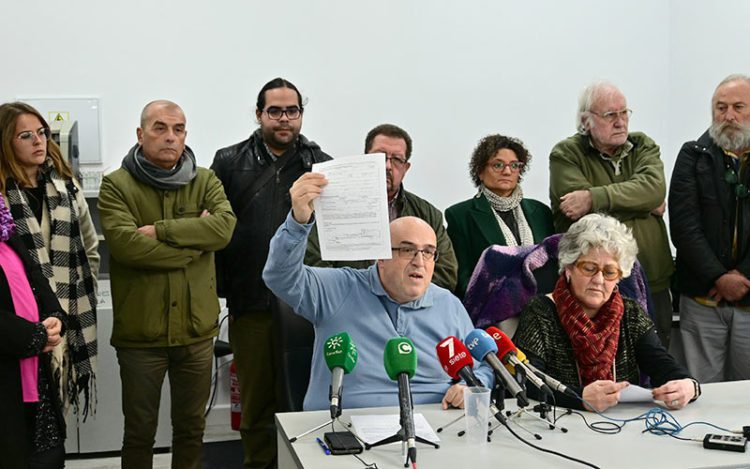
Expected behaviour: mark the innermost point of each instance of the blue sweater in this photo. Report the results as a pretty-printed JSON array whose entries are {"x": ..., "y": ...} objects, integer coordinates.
[{"x": 354, "y": 301}]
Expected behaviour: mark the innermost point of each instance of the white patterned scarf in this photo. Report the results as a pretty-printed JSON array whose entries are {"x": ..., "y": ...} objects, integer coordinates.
[
  {"x": 505, "y": 204},
  {"x": 67, "y": 269}
]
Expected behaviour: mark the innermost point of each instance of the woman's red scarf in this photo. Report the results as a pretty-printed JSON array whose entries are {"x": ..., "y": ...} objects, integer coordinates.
[{"x": 594, "y": 339}]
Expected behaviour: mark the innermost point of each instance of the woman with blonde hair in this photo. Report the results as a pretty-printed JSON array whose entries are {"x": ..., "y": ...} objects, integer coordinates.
[{"x": 53, "y": 221}]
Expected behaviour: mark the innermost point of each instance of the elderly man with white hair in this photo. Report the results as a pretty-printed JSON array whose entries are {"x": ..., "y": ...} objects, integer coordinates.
[
  {"x": 604, "y": 168},
  {"x": 710, "y": 222}
]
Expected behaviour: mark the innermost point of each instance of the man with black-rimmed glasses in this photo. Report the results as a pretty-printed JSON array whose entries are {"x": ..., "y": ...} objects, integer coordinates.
[
  {"x": 396, "y": 144},
  {"x": 391, "y": 297},
  {"x": 605, "y": 168},
  {"x": 257, "y": 174}
]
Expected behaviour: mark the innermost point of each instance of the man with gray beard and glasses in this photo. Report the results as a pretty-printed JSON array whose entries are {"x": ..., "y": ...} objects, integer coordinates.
[{"x": 709, "y": 215}]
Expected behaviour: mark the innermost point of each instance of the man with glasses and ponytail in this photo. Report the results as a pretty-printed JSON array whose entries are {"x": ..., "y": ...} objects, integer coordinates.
[
  {"x": 604, "y": 168},
  {"x": 257, "y": 174},
  {"x": 709, "y": 217},
  {"x": 396, "y": 144}
]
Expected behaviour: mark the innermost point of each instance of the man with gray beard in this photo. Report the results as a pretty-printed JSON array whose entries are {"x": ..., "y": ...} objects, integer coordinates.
[{"x": 709, "y": 215}]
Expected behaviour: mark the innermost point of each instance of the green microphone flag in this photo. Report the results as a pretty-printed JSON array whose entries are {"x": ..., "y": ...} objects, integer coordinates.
[
  {"x": 400, "y": 357},
  {"x": 340, "y": 351}
]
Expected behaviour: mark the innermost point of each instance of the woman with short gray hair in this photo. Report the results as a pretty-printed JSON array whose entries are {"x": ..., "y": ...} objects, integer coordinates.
[
  {"x": 586, "y": 335},
  {"x": 598, "y": 231}
]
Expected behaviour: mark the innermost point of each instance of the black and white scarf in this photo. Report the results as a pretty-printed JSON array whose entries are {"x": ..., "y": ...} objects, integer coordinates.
[
  {"x": 67, "y": 269},
  {"x": 510, "y": 203}
]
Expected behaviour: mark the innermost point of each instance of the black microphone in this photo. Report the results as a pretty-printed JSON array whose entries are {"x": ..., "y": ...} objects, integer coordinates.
[
  {"x": 551, "y": 382},
  {"x": 458, "y": 362},
  {"x": 483, "y": 348},
  {"x": 507, "y": 352},
  {"x": 400, "y": 361}
]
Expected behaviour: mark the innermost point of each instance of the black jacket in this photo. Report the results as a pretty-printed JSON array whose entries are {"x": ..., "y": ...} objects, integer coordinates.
[
  {"x": 703, "y": 212},
  {"x": 15, "y": 337},
  {"x": 258, "y": 189}
]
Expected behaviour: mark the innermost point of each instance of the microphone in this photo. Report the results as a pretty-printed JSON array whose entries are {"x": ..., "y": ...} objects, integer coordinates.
[
  {"x": 506, "y": 350},
  {"x": 456, "y": 360},
  {"x": 400, "y": 361},
  {"x": 551, "y": 382},
  {"x": 483, "y": 348},
  {"x": 341, "y": 357}
]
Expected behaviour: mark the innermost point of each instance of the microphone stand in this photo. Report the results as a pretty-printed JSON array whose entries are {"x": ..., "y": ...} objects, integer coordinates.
[
  {"x": 497, "y": 397},
  {"x": 544, "y": 409},
  {"x": 498, "y": 393},
  {"x": 440, "y": 429},
  {"x": 316, "y": 428},
  {"x": 334, "y": 416},
  {"x": 401, "y": 436}
]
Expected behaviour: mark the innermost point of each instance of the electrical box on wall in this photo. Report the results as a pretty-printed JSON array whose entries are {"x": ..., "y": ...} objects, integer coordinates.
[{"x": 85, "y": 111}]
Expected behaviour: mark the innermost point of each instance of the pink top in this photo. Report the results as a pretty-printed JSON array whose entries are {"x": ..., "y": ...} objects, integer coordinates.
[{"x": 25, "y": 305}]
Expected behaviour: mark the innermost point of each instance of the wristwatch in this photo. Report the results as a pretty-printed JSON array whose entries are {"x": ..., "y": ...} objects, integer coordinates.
[{"x": 697, "y": 386}]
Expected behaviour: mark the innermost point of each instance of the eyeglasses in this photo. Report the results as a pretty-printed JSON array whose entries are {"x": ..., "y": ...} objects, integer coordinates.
[
  {"x": 28, "y": 135},
  {"x": 396, "y": 161},
  {"x": 499, "y": 166},
  {"x": 410, "y": 252},
  {"x": 612, "y": 116},
  {"x": 730, "y": 177},
  {"x": 589, "y": 269},
  {"x": 292, "y": 113}
]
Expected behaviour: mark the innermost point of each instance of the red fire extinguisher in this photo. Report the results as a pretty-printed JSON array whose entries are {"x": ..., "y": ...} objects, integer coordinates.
[{"x": 234, "y": 397}]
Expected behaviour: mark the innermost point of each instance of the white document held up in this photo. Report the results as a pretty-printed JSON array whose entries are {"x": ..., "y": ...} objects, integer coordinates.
[
  {"x": 373, "y": 428},
  {"x": 352, "y": 211}
]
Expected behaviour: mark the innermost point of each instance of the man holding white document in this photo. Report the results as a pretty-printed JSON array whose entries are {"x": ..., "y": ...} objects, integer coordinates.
[
  {"x": 395, "y": 145},
  {"x": 393, "y": 297}
]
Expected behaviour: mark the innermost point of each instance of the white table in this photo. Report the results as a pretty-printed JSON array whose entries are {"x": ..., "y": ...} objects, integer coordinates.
[{"x": 723, "y": 404}]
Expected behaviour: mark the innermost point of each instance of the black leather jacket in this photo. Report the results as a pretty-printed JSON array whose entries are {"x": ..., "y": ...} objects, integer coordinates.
[
  {"x": 258, "y": 189},
  {"x": 703, "y": 213}
]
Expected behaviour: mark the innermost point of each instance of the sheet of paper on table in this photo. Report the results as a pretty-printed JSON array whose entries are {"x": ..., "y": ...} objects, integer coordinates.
[{"x": 373, "y": 428}]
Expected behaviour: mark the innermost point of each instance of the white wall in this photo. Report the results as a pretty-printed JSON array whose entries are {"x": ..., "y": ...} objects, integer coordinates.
[
  {"x": 705, "y": 45},
  {"x": 448, "y": 73}
]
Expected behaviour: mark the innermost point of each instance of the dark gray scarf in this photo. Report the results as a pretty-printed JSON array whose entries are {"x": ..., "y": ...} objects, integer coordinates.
[{"x": 156, "y": 176}]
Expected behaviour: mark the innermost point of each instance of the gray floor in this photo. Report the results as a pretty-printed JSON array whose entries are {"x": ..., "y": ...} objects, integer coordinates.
[
  {"x": 161, "y": 461},
  {"x": 216, "y": 455}
]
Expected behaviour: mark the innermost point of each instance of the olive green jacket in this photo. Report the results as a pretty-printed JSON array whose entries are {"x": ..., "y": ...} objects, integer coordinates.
[
  {"x": 630, "y": 196},
  {"x": 409, "y": 205},
  {"x": 164, "y": 289}
]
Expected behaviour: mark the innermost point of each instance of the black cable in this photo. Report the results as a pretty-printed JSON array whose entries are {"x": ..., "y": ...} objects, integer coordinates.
[
  {"x": 214, "y": 383},
  {"x": 601, "y": 426},
  {"x": 215, "y": 379},
  {"x": 544, "y": 450}
]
